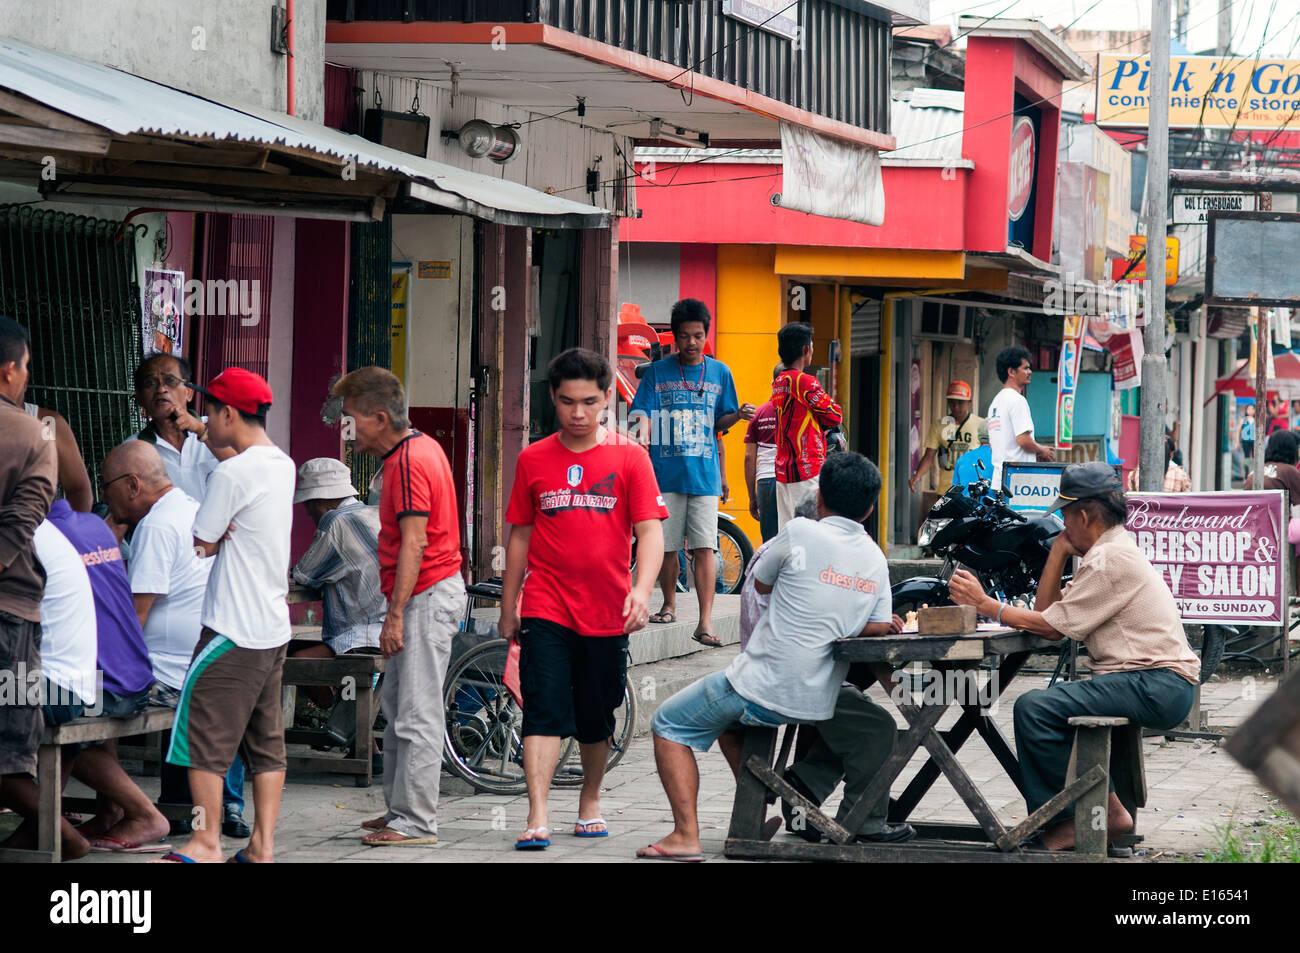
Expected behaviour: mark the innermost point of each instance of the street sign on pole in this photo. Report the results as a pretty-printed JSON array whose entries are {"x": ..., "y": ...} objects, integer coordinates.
[
  {"x": 1252, "y": 259},
  {"x": 1193, "y": 208}
]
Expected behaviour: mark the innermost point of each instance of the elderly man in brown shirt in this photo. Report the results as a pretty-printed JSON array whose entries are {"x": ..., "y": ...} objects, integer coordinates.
[
  {"x": 28, "y": 467},
  {"x": 1120, "y": 608}
]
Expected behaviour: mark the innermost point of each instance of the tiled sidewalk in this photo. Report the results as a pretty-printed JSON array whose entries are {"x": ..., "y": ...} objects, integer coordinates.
[{"x": 1194, "y": 788}]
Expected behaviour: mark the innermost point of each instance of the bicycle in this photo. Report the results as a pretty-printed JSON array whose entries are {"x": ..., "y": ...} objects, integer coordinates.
[{"x": 483, "y": 744}]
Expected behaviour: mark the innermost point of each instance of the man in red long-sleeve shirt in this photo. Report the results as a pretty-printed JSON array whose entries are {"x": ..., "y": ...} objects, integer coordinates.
[{"x": 803, "y": 411}]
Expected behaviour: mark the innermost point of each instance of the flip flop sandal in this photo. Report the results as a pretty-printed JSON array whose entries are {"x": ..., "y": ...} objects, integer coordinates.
[
  {"x": 525, "y": 842},
  {"x": 239, "y": 858},
  {"x": 585, "y": 833},
  {"x": 174, "y": 858},
  {"x": 708, "y": 638},
  {"x": 658, "y": 853},
  {"x": 104, "y": 844},
  {"x": 378, "y": 839},
  {"x": 663, "y": 618}
]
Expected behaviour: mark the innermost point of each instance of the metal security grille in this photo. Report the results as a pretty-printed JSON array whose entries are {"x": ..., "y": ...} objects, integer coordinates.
[
  {"x": 71, "y": 280},
  {"x": 237, "y": 293},
  {"x": 865, "y": 329},
  {"x": 370, "y": 318}
]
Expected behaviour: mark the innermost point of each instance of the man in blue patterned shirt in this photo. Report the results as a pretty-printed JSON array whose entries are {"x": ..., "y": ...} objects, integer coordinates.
[{"x": 343, "y": 562}]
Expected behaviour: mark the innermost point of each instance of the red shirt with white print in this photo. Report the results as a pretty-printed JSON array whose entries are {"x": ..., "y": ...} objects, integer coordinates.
[
  {"x": 582, "y": 508},
  {"x": 803, "y": 410}
]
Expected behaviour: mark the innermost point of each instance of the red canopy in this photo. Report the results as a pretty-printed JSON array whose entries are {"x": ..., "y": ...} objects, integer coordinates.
[{"x": 1286, "y": 367}]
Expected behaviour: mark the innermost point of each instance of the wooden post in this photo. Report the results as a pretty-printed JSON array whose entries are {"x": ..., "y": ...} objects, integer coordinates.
[
  {"x": 49, "y": 775},
  {"x": 1092, "y": 745}
]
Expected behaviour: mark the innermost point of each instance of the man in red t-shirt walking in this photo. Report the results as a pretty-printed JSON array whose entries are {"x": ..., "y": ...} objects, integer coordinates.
[
  {"x": 419, "y": 574},
  {"x": 579, "y": 495}
]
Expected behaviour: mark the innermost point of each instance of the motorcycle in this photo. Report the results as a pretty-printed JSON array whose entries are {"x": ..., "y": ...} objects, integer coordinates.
[{"x": 975, "y": 527}]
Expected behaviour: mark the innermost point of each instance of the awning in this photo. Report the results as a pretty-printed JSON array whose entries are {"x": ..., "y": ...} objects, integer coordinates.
[
  {"x": 1286, "y": 371},
  {"x": 119, "y": 137}
]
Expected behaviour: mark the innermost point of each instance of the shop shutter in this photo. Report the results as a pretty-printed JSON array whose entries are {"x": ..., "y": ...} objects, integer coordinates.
[
  {"x": 71, "y": 281},
  {"x": 865, "y": 330}
]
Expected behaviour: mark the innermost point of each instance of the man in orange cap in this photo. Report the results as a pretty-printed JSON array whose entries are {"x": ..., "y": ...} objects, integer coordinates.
[{"x": 948, "y": 439}]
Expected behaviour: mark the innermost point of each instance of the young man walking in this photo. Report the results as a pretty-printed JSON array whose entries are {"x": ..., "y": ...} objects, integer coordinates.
[
  {"x": 578, "y": 498},
  {"x": 231, "y": 698},
  {"x": 803, "y": 411},
  {"x": 1011, "y": 426},
  {"x": 683, "y": 402},
  {"x": 419, "y": 574}
]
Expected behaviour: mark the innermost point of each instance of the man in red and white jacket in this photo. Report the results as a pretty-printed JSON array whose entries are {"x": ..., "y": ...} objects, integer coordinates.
[{"x": 803, "y": 411}]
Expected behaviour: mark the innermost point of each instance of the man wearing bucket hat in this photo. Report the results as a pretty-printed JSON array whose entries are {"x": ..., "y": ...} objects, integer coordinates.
[
  {"x": 343, "y": 563},
  {"x": 231, "y": 698},
  {"x": 1121, "y": 609},
  {"x": 948, "y": 438}
]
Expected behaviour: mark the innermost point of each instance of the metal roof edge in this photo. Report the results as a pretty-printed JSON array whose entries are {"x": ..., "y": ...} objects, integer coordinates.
[{"x": 1033, "y": 32}]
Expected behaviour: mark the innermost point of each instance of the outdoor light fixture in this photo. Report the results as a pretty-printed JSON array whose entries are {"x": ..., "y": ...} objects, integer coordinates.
[
  {"x": 679, "y": 137},
  {"x": 481, "y": 140}
]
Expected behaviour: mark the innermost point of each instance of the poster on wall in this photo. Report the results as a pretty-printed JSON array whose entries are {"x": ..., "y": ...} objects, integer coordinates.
[
  {"x": 914, "y": 431},
  {"x": 162, "y": 312},
  {"x": 1067, "y": 380},
  {"x": 1221, "y": 554}
]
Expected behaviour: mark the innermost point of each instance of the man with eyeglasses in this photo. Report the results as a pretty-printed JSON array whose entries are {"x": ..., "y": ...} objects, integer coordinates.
[{"x": 163, "y": 391}]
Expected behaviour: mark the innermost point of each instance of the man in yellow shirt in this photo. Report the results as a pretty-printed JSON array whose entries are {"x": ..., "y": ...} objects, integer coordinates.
[{"x": 948, "y": 438}]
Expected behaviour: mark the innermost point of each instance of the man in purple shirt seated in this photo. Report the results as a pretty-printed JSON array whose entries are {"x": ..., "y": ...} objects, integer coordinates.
[{"x": 127, "y": 820}]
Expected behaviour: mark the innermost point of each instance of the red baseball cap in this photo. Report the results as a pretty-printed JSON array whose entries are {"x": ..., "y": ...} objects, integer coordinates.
[
  {"x": 958, "y": 390},
  {"x": 240, "y": 389}
]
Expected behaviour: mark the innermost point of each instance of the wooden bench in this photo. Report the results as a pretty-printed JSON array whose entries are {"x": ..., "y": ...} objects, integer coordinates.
[
  {"x": 335, "y": 672},
  {"x": 49, "y": 772}
]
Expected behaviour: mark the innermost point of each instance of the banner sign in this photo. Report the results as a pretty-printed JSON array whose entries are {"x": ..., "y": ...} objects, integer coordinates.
[
  {"x": 1209, "y": 92},
  {"x": 1067, "y": 380},
  {"x": 824, "y": 176},
  {"x": 776, "y": 16},
  {"x": 1221, "y": 554},
  {"x": 1031, "y": 487}
]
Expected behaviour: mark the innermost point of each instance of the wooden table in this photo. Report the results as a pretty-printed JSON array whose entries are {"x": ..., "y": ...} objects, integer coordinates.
[{"x": 989, "y": 839}]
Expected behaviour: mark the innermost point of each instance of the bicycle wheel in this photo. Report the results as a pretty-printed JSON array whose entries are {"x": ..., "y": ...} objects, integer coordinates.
[
  {"x": 569, "y": 773},
  {"x": 482, "y": 740}
]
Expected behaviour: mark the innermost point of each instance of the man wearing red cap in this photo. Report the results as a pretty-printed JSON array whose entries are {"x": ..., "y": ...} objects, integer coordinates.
[
  {"x": 231, "y": 698},
  {"x": 948, "y": 439}
]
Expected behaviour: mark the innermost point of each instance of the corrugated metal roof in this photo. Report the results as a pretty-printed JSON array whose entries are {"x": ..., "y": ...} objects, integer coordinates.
[
  {"x": 126, "y": 104},
  {"x": 928, "y": 125}
]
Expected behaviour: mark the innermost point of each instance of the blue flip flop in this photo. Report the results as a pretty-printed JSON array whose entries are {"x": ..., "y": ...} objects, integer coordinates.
[
  {"x": 239, "y": 858},
  {"x": 595, "y": 820},
  {"x": 534, "y": 843},
  {"x": 172, "y": 857}
]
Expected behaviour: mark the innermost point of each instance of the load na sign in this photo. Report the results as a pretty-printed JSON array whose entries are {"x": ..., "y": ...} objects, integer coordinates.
[{"x": 1193, "y": 208}]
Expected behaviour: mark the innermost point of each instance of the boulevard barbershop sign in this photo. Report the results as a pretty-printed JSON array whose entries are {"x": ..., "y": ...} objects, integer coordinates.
[{"x": 1221, "y": 554}]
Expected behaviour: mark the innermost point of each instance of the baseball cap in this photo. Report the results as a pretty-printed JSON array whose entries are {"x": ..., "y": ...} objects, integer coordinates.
[
  {"x": 323, "y": 478},
  {"x": 240, "y": 389},
  {"x": 958, "y": 390},
  {"x": 1084, "y": 481}
]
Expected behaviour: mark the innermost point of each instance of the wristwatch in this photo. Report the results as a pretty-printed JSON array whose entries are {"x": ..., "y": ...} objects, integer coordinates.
[{"x": 203, "y": 437}]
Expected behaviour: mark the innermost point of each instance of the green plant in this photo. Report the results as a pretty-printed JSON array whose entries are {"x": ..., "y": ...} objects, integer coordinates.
[{"x": 1275, "y": 840}]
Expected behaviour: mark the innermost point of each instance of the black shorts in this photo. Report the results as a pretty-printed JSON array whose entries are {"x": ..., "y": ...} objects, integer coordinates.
[{"x": 572, "y": 684}]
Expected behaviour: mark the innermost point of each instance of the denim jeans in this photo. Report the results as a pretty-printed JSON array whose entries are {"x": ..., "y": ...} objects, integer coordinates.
[{"x": 698, "y": 714}]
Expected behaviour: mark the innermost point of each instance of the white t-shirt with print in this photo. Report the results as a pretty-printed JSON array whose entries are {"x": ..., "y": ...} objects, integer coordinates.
[
  {"x": 69, "y": 632},
  {"x": 829, "y": 581},
  {"x": 163, "y": 562},
  {"x": 1008, "y": 418},
  {"x": 252, "y": 494}
]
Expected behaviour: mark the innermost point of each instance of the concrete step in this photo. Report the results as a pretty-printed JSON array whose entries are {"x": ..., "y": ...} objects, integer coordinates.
[{"x": 656, "y": 682}]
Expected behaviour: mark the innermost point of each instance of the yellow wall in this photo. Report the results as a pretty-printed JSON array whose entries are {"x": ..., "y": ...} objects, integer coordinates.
[{"x": 749, "y": 313}]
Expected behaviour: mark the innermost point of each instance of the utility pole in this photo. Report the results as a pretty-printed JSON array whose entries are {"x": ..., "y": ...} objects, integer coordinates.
[
  {"x": 1155, "y": 391},
  {"x": 1224, "y": 46}
]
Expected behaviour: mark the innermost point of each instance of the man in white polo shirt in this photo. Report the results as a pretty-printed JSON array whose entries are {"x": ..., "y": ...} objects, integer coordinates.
[
  {"x": 828, "y": 580},
  {"x": 231, "y": 698},
  {"x": 1011, "y": 426}
]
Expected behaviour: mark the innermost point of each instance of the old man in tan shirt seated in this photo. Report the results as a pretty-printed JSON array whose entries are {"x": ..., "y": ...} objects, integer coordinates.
[{"x": 1120, "y": 608}]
